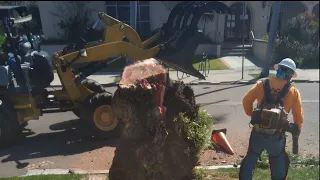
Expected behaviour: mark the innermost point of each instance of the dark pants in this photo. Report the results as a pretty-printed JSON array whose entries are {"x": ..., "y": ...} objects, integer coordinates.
[{"x": 278, "y": 158}]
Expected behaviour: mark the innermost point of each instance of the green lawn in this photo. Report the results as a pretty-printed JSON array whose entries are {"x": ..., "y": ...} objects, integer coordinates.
[
  {"x": 257, "y": 75},
  {"x": 297, "y": 170},
  {"x": 215, "y": 64},
  {"x": 49, "y": 177},
  {"x": 304, "y": 173}
]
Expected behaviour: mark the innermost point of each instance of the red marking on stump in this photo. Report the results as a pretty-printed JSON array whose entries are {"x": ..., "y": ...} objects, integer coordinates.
[{"x": 150, "y": 74}]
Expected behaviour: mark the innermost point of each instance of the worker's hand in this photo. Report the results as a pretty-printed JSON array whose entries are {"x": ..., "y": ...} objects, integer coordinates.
[
  {"x": 298, "y": 131},
  {"x": 284, "y": 117}
]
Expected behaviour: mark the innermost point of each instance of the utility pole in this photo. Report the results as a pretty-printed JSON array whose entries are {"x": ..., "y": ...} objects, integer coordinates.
[
  {"x": 133, "y": 21},
  {"x": 271, "y": 38},
  {"x": 244, "y": 12}
]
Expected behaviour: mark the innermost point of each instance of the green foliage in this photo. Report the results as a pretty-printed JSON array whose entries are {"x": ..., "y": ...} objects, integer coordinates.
[
  {"x": 310, "y": 173},
  {"x": 197, "y": 130},
  {"x": 74, "y": 18},
  {"x": 265, "y": 37},
  {"x": 49, "y": 177},
  {"x": 2, "y": 39},
  {"x": 299, "y": 41},
  {"x": 206, "y": 18},
  {"x": 199, "y": 174},
  {"x": 295, "y": 160}
]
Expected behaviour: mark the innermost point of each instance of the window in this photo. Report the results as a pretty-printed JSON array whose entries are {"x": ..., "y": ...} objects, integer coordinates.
[
  {"x": 121, "y": 10},
  {"x": 143, "y": 22},
  {"x": 108, "y": 3},
  {"x": 144, "y": 14},
  {"x": 124, "y": 13},
  {"x": 111, "y": 11}
]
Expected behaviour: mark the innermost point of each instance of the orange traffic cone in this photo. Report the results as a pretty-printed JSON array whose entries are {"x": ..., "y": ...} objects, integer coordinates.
[{"x": 219, "y": 138}]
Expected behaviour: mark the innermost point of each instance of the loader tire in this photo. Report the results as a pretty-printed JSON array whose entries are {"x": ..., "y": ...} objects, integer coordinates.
[
  {"x": 93, "y": 86},
  {"x": 98, "y": 114},
  {"x": 10, "y": 130}
]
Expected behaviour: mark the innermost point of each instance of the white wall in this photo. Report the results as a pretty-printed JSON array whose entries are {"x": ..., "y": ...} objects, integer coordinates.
[{"x": 159, "y": 13}]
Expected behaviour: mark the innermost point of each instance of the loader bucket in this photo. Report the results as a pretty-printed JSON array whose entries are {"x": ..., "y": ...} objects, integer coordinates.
[
  {"x": 175, "y": 17},
  {"x": 180, "y": 57},
  {"x": 180, "y": 16},
  {"x": 180, "y": 39}
]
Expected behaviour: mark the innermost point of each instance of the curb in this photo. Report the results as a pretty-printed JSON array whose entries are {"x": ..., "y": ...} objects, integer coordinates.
[
  {"x": 211, "y": 83},
  {"x": 37, "y": 172}
]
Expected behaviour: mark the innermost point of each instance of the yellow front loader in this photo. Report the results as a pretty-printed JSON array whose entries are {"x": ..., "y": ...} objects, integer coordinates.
[{"x": 173, "y": 45}]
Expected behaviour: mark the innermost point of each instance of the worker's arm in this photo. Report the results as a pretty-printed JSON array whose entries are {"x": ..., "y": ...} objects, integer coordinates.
[
  {"x": 297, "y": 110},
  {"x": 250, "y": 97}
]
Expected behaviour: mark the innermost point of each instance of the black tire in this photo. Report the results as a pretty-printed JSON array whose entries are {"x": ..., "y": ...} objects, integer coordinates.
[
  {"x": 10, "y": 130},
  {"x": 88, "y": 112},
  {"x": 93, "y": 86}
]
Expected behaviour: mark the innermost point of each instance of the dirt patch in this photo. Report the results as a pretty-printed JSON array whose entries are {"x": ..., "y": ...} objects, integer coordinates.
[
  {"x": 98, "y": 159},
  {"x": 95, "y": 177}
]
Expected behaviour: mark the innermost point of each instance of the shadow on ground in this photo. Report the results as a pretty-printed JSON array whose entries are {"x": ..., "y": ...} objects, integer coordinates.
[
  {"x": 255, "y": 61},
  {"x": 222, "y": 89},
  {"x": 67, "y": 138},
  {"x": 220, "y": 118},
  {"x": 215, "y": 102}
]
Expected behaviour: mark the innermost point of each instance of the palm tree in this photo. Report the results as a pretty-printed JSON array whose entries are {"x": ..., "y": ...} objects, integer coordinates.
[{"x": 206, "y": 18}]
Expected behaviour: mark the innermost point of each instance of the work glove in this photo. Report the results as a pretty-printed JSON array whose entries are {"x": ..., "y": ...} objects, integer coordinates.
[{"x": 298, "y": 130}]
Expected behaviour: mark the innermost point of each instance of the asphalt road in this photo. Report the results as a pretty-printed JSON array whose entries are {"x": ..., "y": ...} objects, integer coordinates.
[{"x": 56, "y": 140}]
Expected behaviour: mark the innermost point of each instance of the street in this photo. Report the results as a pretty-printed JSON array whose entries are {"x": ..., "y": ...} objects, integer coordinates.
[{"x": 55, "y": 141}]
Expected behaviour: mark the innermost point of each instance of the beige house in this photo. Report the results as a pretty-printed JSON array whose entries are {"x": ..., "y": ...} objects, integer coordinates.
[{"x": 152, "y": 14}]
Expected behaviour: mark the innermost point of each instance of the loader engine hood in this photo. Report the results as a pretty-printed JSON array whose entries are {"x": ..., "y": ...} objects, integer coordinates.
[{"x": 180, "y": 37}]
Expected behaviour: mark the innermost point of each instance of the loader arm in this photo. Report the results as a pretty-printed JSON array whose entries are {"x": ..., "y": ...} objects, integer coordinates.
[
  {"x": 126, "y": 31},
  {"x": 176, "y": 43},
  {"x": 108, "y": 50}
]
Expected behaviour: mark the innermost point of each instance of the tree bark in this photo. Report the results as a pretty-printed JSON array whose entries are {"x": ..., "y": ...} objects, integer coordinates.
[{"x": 152, "y": 144}]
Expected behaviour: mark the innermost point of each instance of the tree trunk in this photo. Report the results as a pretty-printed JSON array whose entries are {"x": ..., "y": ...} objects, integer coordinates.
[{"x": 152, "y": 145}]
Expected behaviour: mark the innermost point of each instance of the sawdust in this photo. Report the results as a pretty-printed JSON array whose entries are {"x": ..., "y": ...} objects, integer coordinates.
[
  {"x": 39, "y": 165},
  {"x": 95, "y": 177},
  {"x": 98, "y": 159}
]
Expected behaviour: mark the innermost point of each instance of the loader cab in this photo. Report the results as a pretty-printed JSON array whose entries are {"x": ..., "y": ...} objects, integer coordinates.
[{"x": 31, "y": 67}]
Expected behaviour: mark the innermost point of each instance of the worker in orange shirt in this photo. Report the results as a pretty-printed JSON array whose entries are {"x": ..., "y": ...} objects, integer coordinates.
[{"x": 275, "y": 97}]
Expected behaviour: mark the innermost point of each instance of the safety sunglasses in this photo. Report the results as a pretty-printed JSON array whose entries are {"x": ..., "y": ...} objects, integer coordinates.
[{"x": 285, "y": 70}]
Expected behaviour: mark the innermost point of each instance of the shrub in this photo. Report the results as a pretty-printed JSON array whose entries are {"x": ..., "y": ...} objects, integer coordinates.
[
  {"x": 265, "y": 37},
  {"x": 74, "y": 18},
  {"x": 2, "y": 39},
  {"x": 197, "y": 130},
  {"x": 299, "y": 41}
]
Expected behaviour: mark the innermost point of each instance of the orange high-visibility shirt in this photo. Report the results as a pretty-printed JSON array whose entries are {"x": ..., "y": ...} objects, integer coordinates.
[{"x": 292, "y": 101}]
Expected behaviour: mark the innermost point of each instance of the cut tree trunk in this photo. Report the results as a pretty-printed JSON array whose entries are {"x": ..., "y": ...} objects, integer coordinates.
[{"x": 152, "y": 144}]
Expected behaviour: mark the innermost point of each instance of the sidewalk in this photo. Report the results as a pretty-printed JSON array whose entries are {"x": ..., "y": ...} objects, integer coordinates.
[{"x": 233, "y": 75}]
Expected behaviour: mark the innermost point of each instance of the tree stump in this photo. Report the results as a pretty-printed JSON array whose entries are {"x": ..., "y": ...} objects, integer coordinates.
[{"x": 152, "y": 145}]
